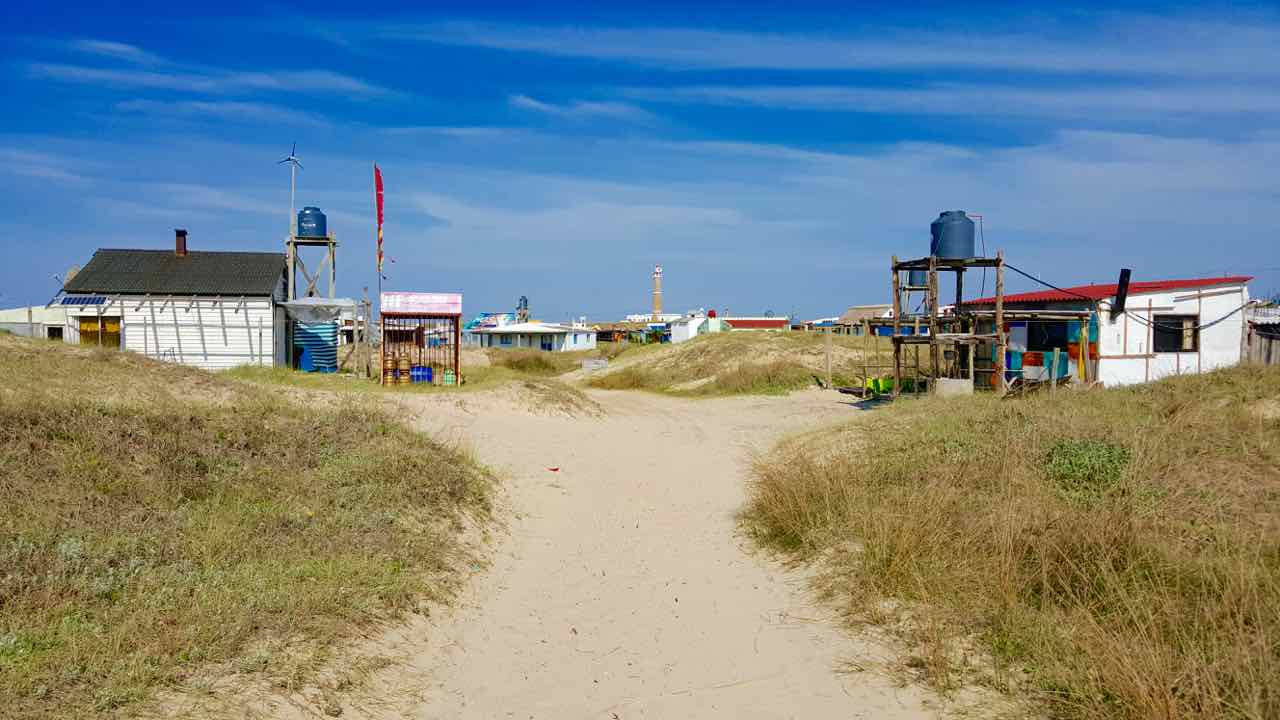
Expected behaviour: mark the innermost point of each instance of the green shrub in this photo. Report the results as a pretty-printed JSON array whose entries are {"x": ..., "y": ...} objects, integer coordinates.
[{"x": 1086, "y": 469}]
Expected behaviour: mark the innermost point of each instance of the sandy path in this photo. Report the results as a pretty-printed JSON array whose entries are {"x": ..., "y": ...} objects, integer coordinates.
[{"x": 622, "y": 589}]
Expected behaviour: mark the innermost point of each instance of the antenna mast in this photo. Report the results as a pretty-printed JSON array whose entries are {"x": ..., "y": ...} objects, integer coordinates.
[{"x": 294, "y": 166}]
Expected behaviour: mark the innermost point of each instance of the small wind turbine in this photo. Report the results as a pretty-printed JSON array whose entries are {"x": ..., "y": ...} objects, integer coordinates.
[{"x": 294, "y": 166}]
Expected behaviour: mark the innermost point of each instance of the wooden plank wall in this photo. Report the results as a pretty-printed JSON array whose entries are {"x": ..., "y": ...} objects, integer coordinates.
[{"x": 1263, "y": 345}]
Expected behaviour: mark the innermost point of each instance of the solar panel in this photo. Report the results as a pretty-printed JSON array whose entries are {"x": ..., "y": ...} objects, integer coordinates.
[{"x": 83, "y": 300}]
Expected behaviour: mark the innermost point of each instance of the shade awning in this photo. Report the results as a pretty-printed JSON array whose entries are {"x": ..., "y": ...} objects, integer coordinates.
[{"x": 316, "y": 309}]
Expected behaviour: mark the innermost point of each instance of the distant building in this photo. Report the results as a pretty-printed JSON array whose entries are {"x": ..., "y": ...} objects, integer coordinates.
[
  {"x": 36, "y": 321},
  {"x": 854, "y": 316},
  {"x": 648, "y": 317},
  {"x": 538, "y": 336},
  {"x": 757, "y": 323},
  {"x": 485, "y": 321},
  {"x": 687, "y": 328}
]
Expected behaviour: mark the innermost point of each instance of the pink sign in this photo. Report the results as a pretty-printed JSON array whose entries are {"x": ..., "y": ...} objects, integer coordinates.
[{"x": 421, "y": 303}]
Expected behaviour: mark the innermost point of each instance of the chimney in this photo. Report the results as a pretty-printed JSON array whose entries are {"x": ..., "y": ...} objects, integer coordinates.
[{"x": 180, "y": 242}]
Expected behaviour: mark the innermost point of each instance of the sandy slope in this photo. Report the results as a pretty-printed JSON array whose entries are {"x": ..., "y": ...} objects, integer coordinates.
[{"x": 622, "y": 588}]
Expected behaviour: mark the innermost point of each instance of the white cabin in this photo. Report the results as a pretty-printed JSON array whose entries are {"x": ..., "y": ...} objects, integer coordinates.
[
  {"x": 1167, "y": 327},
  {"x": 213, "y": 310}
]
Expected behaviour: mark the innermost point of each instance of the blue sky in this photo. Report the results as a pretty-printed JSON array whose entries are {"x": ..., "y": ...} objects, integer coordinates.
[{"x": 770, "y": 156}]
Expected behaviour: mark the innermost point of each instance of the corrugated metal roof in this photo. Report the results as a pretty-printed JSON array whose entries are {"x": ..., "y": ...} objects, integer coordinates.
[
  {"x": 162, "y": 272},
  {"x": 1102, "y": 292},
  {"x": 1264, "y": 315},
  {"x": 757, "y": 323},
  {"x": 531, "y": 328}
]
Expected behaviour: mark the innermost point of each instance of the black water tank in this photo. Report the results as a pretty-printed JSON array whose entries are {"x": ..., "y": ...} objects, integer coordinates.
[
  {"x": 312, "y": 223},
  {"x": 952, "y": 235}
]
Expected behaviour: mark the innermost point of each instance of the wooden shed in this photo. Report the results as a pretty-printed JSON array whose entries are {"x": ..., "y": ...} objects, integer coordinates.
[{"x": 213, "y": 310}]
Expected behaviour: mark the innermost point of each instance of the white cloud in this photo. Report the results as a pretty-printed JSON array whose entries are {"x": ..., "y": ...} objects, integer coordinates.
[
  {"x": 1112, "y": 44},
  {"x": 116, "y": 50},
  {"x": 210, "y": 81},
  {"x": 223, "y": 109},
  {"x": 40, "y": 165},
  {"x": 580, "y": 109},
  {"x": 984, "y": 100}
]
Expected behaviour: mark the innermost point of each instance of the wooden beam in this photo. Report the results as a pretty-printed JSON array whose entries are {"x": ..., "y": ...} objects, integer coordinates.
[
  {"x": 897, "y": 319},
  {"x": 935, "y": 351},
  {"x": 1001, "y": 341}
]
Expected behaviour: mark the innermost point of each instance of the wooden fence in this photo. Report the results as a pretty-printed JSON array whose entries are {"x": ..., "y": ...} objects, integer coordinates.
[{"x": 1262, "y": 345}]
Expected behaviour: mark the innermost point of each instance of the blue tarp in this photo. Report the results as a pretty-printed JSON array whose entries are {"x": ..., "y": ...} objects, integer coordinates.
[{"x": 317, "y": 346}]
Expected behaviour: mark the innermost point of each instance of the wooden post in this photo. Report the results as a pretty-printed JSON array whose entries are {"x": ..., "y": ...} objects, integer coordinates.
[
  {"x": 916, "y": 349},
  {"x": 333, "y": 267},
  {"x": 866, "y": 351},
  {"x": 31, "y": 325},
  {"x": 367, "y": 351},
  {"x": 1000, "y": 338},
  {"x": 292, "y": 259},
  {"x": 1053, "y": 374},
  {"x": 828, "y": 358},
  {"x": 934, "y": 349},
  {"x": 897, "y": 319}
]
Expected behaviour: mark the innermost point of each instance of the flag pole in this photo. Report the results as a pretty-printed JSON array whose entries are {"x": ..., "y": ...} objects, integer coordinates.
[{"x": 377, "y": 263}]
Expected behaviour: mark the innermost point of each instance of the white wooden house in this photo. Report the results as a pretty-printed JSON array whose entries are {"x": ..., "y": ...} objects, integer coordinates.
[
  {"x": 213, "y": 310},
  {"x": 538, "y": 336}
]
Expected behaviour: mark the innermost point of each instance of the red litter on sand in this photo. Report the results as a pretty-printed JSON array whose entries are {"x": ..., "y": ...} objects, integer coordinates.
[{"x": 554, "y": 469}]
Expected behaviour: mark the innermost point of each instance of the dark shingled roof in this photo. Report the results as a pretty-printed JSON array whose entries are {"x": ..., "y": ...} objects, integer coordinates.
[{"x": 161, "y": 272}]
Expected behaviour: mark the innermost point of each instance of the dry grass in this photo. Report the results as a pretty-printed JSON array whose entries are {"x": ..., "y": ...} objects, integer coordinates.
[
  {"x": 739, "y": 363},
  {"x": 1115, "y": 553},
  {"x": 158, "y": 520},
  {"x": 478, "y": 377},
  {"x": 538, "y": 362},
  {"x": 551, "y": 395}
]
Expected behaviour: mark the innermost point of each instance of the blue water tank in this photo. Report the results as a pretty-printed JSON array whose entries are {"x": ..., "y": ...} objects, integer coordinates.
[
  {"x": 952, "y": 235},
  {"x": 917, "y": 278},
  {"x": 312, "y": 223}
]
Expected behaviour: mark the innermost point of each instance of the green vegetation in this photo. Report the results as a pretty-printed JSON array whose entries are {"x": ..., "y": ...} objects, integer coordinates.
[
  {"x": 1112, "y": 553},
  {"x": 478, "y": 377},
  {"x": 1086, "y": 469},
  {"x": 159, "y": 521},
  {"x": 741, "y": 363},
  {"x": 539, "y": 362}
]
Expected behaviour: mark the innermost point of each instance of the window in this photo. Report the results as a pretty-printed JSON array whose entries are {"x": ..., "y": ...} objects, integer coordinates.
[
  {"x": 504, "y": 339},
  {"x": 1175, "y": 333},
  {"x": 1045, "y": 336}
]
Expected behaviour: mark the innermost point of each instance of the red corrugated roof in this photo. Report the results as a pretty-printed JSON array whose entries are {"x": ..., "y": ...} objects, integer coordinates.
[
  {"x": 757, "y": 323},
  {"x": 1102, "y": 292}
]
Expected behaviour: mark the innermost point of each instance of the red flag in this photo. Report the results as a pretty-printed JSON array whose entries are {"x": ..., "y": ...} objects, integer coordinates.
[{"x": 377, "y": 192}]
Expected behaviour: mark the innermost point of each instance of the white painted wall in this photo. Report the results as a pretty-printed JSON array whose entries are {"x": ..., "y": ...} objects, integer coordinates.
[
  {"x": 688, "y": 329},
  {"x": 1124, "y": 345},
  {"x": 579, "y": 339},
  {"x": 210, "y": 333}
]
